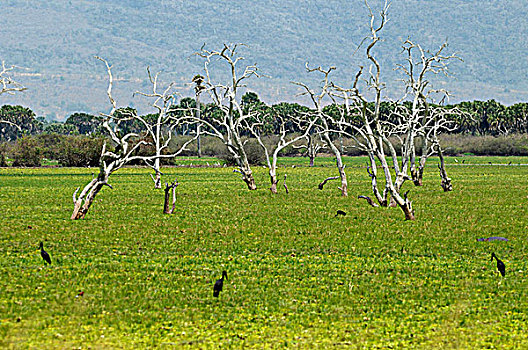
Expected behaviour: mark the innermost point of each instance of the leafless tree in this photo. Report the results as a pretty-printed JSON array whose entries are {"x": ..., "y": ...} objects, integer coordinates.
[
  {"x": 324, "y": 124},
  {"x": 443, "y": 121},
  {"x": 374, "y": 132},
  {"x": 422, "y": 120},
  {"x": 400, "y": 124},
  {"x": 159, "y": 131},
  {"x": 167, "y": 209},
  {"x": 9, "y": 86},
  {"x": 229, "y": 123},
  {"x": 198, "y": 88},
  {"x": 256, "y": 126},
  {"x": 124, "y": 152},
  {"x": 312, "y": 146}
]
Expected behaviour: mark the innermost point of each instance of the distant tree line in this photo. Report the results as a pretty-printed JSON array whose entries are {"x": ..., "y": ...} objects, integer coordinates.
[
  {"x": 481, "y": 118},
  {"x": 77, "y": 141}
]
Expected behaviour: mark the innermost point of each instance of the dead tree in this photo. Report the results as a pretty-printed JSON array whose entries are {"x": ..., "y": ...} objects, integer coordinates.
[
  {"x": 324, "y": 125},
  {"x": 111, "y": 160},
  {"x": 256, "y": 127},
  {"x": 446, "y": 180},
  {"x": 9, "y": 86},
  {"x": 421, "y": 118},
  {"x": 373, "y": 133},
  {"x": 229, "y": 124},
  {"x": 443, "y": 122},
  {"x": 379, "y": 134},
  {"x": 167, "y": 209},
  {"x": 312, "y": 146},
  {"x": 198, "y": 88},
  {"x": 160, "y": 128}
]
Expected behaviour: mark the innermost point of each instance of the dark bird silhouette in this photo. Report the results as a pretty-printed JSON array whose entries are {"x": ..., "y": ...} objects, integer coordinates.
[
  {"x": 44, "y": 254},
  {"x": 463, "y": 161},
  {"x": 340, "y": 212},
  {"x": 509, "y": 163},
  {"x": 219, "y": 285},
  {"x": 500, "y": 265}
]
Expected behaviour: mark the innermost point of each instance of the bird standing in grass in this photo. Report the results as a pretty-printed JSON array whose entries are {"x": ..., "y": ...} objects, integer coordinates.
[
  {"x": 340, "y": 212},
  {"x": 219, "y": 285},
  {"x": 44, "y": 254},
  {"x": 500, "y": 265}
]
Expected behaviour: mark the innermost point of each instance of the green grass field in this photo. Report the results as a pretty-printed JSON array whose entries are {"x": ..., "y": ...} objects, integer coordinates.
[{"x": 298, "y": 276}]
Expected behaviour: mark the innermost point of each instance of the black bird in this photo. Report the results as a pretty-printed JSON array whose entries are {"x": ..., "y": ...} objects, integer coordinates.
[
  {"x": 500, "y": 265},
  {"x": 44, "y": 254},
  {"x": 219, "y": 285},
  {"x": 340, "y": 212}
]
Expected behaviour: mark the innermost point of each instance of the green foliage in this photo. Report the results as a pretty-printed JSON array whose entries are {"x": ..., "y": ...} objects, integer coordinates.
[
  {"x": 21, "y": 116},
  {"x": 61, "y": 128},
  {"x": 254, "y": 152},
  {"x": 80, "y": 151},
  {"x": 67, "y": 150},
  {"x": 85, "y": 124},
  {"x": 298, "y": 276},
  {"x": 486, "y": 145},
  {"x": 27, "y": 152}
]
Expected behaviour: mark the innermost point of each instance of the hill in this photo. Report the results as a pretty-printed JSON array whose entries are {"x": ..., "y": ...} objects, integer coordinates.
[{"x": 54, "y": 41}]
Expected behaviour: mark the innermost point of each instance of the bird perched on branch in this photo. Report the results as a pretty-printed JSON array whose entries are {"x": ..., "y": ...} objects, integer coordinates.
[
  {"x": 500, "y": 265},
  {"x": 44, "y": 254},
  {"x": 219, "y": 285}
]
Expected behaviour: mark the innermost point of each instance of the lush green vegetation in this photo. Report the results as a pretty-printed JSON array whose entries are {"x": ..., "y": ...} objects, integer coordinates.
[{"x": 298, "y": 276}]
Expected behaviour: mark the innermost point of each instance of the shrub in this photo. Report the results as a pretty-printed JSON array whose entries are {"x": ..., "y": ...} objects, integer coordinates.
[
  {"x": 3, "y": 162},
  {"x": 27, "y": 152},
  {"x": 80, "y": 151},
  {"x": 487, "y": 145},
  {"x": 254, "y": 152},
  {"x": 4, "y": 147}
]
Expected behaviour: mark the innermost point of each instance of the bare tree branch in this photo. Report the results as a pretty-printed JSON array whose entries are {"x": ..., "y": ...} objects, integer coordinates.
[
  {"x": 321, "y": 185},
  {"x": 124, "y": 146},
  {"x": 9, "y": 86}
]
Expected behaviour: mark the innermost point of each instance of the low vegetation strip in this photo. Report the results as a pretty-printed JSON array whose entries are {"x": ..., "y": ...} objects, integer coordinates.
[{"x": 129, "y": 276}]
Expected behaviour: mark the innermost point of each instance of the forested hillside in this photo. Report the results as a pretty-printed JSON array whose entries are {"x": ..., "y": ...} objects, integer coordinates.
[{"x": 54, "y": 41}]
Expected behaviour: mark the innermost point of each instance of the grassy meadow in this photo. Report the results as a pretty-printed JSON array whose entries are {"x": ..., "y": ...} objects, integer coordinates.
[{"x": 297, "y": 275}]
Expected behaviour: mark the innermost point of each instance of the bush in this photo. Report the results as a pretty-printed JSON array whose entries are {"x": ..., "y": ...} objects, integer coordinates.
[
  {"x": 3, "y": 161},
  {"x": 4, "y": 149},
  {"x": 80, "y": 151},
  {"x": 510, "y": 145},
  {"x": 254, "y": 152},
  {"x": 27, "y": 152}
]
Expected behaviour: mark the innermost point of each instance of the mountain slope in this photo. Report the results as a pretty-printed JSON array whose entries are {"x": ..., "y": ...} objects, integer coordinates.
[{"x": 55, "y": 42}]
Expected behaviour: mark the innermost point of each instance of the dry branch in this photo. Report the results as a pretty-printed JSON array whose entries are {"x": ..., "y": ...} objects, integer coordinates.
[
  {"x": 229, "y": 124},
  {"x": 125, "y": 147},
  {"x": 321, "y": 185},
  {"x": 285, "y": 186},
  {"x": 369, "y": 201}
]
